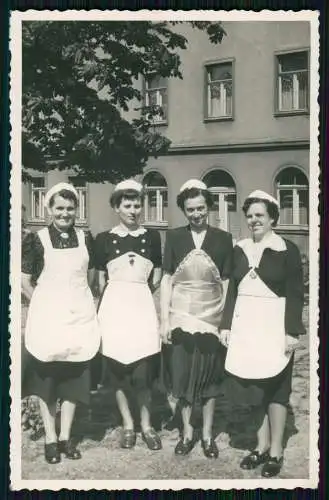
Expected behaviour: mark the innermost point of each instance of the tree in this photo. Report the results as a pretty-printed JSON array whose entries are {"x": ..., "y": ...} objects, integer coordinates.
[{"x": 79, "y": 78}]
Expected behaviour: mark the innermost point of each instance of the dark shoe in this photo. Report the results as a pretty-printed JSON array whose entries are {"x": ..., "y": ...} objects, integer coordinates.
[
  {"x": 152, "y": 439},
  {"x": 184, "y": 446},
  {"x": 272, "y": 466},
  {"x": 128, "y": 439},
  {"x": 69, "y": 449},
  {"x": 253, "y": 460},
  {"x": 209, "y": 447},
  {"x": 52, "y": 454}
]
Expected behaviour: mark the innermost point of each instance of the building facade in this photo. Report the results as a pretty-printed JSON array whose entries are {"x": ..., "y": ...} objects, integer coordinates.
[{"x": 239, "y": 121}]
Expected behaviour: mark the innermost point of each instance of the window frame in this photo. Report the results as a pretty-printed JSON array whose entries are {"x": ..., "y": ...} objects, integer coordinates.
[
  {"x": 32, "y": 218},
  {"x": 206, "y": 65},
  {"x": 146, "y": 90},
  {"x": 159, "y": 202},
  {"x": 292, "y": 112},
  {"x": 294, "y": 188},
  {"x": 81, "y": 190}
]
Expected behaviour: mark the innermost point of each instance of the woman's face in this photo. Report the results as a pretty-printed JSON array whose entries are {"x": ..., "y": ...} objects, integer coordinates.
[
  {"x": 196, "y": 211},
  {"x": 129, "y": 211},
  {"x": 258, "y": 220},
  {"x": 63, "y": 212}
]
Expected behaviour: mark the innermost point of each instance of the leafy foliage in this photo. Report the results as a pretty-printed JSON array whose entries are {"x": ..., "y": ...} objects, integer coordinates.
[{"x": 80, "y": 78}]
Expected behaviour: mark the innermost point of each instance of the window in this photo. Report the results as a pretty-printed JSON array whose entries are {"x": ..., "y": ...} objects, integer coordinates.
[
  {"x": 292, "y": 193},
  {"x": 81, "y": 188},
  {"x": 219, "y": 90},
  {"x": 292, "y": 83},
  {"x": 156, "y": 95},
  {"x": 156, "y": 199},
  {"x": 38, "y": 191},
  {"x": 223, "y": 213}
]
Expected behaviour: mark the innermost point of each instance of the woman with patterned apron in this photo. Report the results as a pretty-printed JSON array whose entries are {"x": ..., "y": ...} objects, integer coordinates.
[
  {"x": 261, "y": 323},
  {"x": 62, "y": 332},
  {"x": 129, "y": 264},
  {"x": 197, "y": 265}
]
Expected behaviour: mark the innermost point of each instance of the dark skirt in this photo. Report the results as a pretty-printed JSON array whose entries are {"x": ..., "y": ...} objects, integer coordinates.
[
  {"x": 137, "y": 376},
  {"x": 68, "y": 381},
  {"x": 260, "y": 392},
  {"x": 192, "y": 366}
]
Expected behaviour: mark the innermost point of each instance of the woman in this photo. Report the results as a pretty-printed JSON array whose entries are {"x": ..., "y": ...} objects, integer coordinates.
[
  {"x": 61, "y": 329},
  {"x": 197, "y": 263},
  {"x": 129, "y": 265},
  {"x": 261, "y": 323}
]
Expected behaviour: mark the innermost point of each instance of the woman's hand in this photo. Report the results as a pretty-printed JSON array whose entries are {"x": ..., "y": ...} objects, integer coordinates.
[
  {"x": 224, "y": 337},
  {"x": 291, "y": 344},
  {"x": 165, "y": 332}
]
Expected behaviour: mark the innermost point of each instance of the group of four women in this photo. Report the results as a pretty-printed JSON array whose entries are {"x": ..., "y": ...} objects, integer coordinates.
[{"x": 233, "y": 313}]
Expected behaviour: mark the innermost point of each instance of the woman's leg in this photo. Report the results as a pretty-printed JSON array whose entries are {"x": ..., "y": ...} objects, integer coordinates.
[
  {"x": 208, "y": 411},
  {"x": 67, "y": 415},
  {"x": 48, "y": 415},
  {"x": 264, "y": 435},
  {"x": 277, "y": 422},
  {"x": 186, "y": 417},
  {"x": 123, "y": 405},
  {"x": 144, "y": 403},
  {"x": 172, "y": 401}
]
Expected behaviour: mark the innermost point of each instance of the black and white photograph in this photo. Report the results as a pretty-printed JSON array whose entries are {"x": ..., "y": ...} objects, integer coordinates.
[{"x": 164, "y": 258}]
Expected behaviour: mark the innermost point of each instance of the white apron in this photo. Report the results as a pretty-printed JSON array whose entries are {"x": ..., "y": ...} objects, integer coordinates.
[
  {"x": 127, "y": 314},
  {"x": 257, "y": 342},
  {"x": 62, "y": 322}
]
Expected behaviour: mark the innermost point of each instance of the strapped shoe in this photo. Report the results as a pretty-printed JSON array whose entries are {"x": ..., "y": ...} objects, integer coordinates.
[
  {"x": 184, "y": 446},
  {"x": 69, "y": 449},
  {"x": 52, "y": 454},
  {"x": 209, "y": 447},
  {"x": 253, "y": 460},
  {"x": 152, "y": 439},
  {"x": 128, "y": 439},
  {"x": 272, "y": 466}
]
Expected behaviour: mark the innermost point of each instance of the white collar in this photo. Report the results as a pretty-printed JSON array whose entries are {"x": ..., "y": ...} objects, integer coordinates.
[
  {"x": 273, "y": 241},
  {"x": 123, "y": 231}
]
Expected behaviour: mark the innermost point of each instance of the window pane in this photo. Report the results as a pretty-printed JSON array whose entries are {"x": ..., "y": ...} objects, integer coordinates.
[
  {"x": 303, "y": 206},
  {"x": 220, "y": 72},
  {"x": 286, "y": 206},
  {"x": 156, "y": 81},
  {"x": 292, "y": 176},
  {"x": 154, "y": 179},
  {"x": 293, "y": 62},
  {"x": 303, "y": 90},
  {"x": 231, "y": 202},
  {"x": 220, "y": 102},
  {"x": 38, "y": 182}
]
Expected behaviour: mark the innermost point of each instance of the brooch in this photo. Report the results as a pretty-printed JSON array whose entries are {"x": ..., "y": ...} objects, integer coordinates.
[
  {"x": 64, "y": 236},
  {"x": 252, "y": 274}
]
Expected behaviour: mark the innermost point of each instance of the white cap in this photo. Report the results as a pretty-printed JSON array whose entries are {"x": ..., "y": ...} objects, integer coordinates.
[
  {"x": 129, "y": 184},
  {"x": 193, "y": 183},
  {"x": 262, "y": 195},
  {"x": 57, "y": 188}
]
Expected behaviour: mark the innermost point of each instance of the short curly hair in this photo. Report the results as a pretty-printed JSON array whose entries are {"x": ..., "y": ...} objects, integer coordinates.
[
  {"x": 271, "y": 208},
  {"x": 193, "y": 193},
  {"x": 129, "y": 194}
]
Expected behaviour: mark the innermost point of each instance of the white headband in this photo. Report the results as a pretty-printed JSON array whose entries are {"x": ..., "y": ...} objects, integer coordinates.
[
  {"x": 262, "y": 195},
  {"x": 129, "y": 184},
  {"x": 56, "y": 189},
  {"x": 193, "y": 183}
]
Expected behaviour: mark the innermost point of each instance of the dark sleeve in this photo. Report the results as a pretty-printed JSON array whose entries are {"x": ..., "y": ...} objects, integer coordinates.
[
  {"x": 294, "y": 292},
  {"x": 231, "y": 295},
  {"x": 168, "y": 255},
  {"x": 156, "y": 255},
  {"x": 228, "y": 259},
  {"x": 32, "y": 254},
  {"x": 100, "y": 260},
  {"x": 90, "y": 248}
]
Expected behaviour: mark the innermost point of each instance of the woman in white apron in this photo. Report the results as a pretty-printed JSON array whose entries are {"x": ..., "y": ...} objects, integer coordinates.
[
  {"x": 197, "y": 265},
  {"x": 61, "y": 332},
  {"x": 261, "y": 323},
  {"x": 128, "y": 259}
]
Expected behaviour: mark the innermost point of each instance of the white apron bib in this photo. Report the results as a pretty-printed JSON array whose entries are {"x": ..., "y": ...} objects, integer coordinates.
[
  {"x": 257, "y": 342},
  {"x": 62, "y": 322},
  {"x": 127, "y": 314}
]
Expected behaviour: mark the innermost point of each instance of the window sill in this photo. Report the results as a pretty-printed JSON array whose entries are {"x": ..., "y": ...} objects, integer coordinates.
[
  {"x": 294, "y": 112},
  {"x": 292, "y": 229},
  {"x": 155, "y": 224},
  {"x": 218, "y": 119},
  {"x": 38, "y": 222}
]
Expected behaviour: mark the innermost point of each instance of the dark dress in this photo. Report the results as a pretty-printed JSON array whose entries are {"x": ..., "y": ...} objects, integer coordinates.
[
  {"x": 127, "y": 315},
  {"x": 192, "y": 365},
  {"x": 60, "y": 379},
  {"x": 264, "y": 303}
]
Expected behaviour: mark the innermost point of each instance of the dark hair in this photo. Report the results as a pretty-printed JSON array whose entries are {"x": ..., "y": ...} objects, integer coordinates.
[
  {"x": 271, "y": 207},
  {"x": 193, "y": 193},
  {"x": 67, "y": 194},
  {"x": 130, "y": 194}
]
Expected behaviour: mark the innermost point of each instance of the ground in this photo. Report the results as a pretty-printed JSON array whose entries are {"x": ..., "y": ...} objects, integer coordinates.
[{"x": 234, "y": 429}]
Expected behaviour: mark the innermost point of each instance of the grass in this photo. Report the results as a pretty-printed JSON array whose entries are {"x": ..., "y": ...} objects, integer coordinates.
[{"x": 234, "y": 428}]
